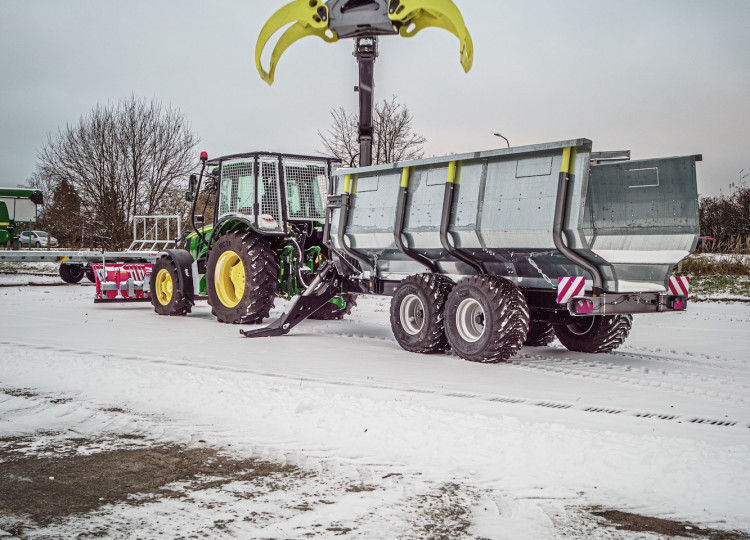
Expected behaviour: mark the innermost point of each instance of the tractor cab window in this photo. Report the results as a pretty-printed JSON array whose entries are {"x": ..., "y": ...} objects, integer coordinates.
[
  {"x": 237, "y": 189},
  {"x": 305, "y": 186}
]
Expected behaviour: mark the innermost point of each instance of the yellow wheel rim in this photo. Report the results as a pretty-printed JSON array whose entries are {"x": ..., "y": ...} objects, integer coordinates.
[
  {"x": 229, "y": 279},
  {"x": 164, "y": 287}
]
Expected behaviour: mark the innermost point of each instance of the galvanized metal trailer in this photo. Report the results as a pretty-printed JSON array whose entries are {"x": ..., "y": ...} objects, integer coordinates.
[{"x": 487, "y": 251}]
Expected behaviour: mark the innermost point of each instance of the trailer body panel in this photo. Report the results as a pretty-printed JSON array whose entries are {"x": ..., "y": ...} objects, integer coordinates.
[{"x": 632, "y": 220}]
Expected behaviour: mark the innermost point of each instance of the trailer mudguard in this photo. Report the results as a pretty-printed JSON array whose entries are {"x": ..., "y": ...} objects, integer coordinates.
[{"x": 184, "y": 263}]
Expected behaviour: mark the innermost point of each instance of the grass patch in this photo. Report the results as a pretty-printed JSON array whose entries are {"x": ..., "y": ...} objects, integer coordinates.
[
  {"x": 703, "y": 286},
  {"x": 716, "y": 274},
  {"x": 713, "y": 275},
  {"x": 703, "y": 264}
]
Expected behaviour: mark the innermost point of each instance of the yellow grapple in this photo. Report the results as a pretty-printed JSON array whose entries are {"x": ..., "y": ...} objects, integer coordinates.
[{"x": 337, "y": 19}]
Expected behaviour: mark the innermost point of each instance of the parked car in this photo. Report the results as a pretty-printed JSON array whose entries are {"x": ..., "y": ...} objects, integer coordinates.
[{"x": 36, "y": 239}]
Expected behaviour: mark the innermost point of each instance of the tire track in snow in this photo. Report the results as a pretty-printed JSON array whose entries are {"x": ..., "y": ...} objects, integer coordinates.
[
  {"x": 706, "y": 420},
  {"x": 688, "y": 359},
  {"x": 596, "y": 367},
  {"x": 715, "y": 388}
]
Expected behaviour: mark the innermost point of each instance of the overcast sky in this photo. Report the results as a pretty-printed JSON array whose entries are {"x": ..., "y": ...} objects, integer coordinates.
[{"x": 658, "y": 77}]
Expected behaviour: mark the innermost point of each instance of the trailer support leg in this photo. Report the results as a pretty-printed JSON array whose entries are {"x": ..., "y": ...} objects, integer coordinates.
[{"x": 326, "y": 286}]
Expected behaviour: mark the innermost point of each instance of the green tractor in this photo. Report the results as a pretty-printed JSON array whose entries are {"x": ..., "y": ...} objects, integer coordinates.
[
  {"x": 18, "y": 210},
  {"x": 265, "y": 239}
]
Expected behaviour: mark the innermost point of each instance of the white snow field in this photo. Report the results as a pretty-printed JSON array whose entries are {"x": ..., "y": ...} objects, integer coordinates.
[{"x": 399, "y": 445}]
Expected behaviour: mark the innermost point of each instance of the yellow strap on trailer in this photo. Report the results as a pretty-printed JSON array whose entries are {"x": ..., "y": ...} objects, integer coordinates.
[
  {"x": 405, "y": 177},
  {"x": 568, "y": 160},
  {"x": 454, "y": 172}
]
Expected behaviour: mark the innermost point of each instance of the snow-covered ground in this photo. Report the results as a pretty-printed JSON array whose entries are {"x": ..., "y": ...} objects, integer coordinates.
[{"x": 399, "y": 445}]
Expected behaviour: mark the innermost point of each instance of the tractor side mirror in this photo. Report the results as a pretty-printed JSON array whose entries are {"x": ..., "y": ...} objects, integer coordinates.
[
  {"x": 200, "y": 218},
  {"x": 190, "y": 195}
]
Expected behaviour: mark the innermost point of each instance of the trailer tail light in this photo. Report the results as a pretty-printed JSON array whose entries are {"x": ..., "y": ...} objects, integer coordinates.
[
  {"x": 677, "y": 303},
  {"x": 583, "y": 306}
]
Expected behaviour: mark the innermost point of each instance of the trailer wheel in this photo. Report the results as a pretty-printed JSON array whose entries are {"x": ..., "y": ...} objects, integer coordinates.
[
  {"x": 71, "y": 273},
  {"x": 418, "y": 313},
  {"x": 90, "y": 274},
  {"x": 241, "y": 278},
  {"x": 166, "y": 296},
  {"x": 540, "y": 334},
  {"x": 486, "y": 319},
  {"x": 597, "y": 334},
  {"x": 332, "y": 312}
]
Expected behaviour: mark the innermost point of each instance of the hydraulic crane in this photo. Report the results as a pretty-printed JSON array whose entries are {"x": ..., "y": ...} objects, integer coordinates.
[{"x": 364, "y": 21}]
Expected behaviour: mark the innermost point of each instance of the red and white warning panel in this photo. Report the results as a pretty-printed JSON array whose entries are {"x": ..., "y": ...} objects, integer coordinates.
[
  {"x": 679, "y": 285},
  {"x": 569, "y": 287}
]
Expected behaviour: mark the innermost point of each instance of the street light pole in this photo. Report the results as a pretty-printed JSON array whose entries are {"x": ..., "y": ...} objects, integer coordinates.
[{"x": 506, "y": 140}]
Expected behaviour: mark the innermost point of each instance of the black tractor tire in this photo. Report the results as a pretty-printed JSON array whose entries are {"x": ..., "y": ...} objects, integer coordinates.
[
  {"x": 486, "y": 319},
  {"x": 90, "y": 274},
  {"x": 71, "y": 273},
  {"x": 418, "y": 313},
  {"x": 597, "y": 334},
  {"x": 540, "y": 334},
  {"x": 332, "y": 312},
  {"x": 164, "y": 287},
  {"x": 241, "y": 294}
]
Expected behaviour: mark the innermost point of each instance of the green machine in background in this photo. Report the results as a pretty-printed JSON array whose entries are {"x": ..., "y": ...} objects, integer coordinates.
[{"x": 18, "y": 210}]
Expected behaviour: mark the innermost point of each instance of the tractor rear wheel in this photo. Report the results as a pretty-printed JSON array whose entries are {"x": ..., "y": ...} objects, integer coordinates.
[
  {"x": 71, "y": 273},
  {"x": 241, "y": 278},
  {"x": 540, "y": 334},
  {"x": 486, "y": 319},
  {"x": 597, "y": 334},
  {"x": 166, "y": 296},
  {"x": 417, "y": 313}
]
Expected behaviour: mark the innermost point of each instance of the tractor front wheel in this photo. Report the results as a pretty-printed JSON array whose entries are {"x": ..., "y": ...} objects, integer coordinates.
[
  {"x": 241, "y": 278},
  {"x": 166, "y": 296}
]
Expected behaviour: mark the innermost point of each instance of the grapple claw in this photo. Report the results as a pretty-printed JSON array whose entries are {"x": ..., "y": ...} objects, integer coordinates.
[
  {"x": 416, "y": 15},
  {"x": 310, "y": 18}
]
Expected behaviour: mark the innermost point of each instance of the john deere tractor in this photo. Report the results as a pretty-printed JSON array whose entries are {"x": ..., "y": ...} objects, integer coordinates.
[{"x": 265, "y": 240}]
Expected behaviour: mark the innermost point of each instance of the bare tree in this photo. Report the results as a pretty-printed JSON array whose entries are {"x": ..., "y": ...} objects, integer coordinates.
[
  {"x": 393, "y": 136},
  {"x": 122, "y": 161}
]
